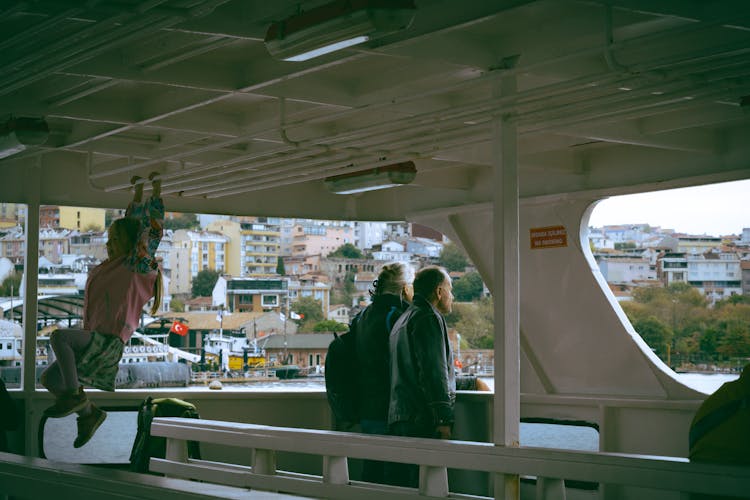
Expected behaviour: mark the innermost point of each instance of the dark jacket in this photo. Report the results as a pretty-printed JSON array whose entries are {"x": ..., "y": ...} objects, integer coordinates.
[
  {"x": 373, "y": 330},
  {"x": 423, "y": 384}
]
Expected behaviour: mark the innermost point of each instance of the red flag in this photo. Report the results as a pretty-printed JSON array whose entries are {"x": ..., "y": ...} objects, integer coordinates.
[{"x": 179, "y": 328}]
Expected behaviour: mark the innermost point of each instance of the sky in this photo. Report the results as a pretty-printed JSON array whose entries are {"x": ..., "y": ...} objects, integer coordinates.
[{"x": 713, "y": 210}]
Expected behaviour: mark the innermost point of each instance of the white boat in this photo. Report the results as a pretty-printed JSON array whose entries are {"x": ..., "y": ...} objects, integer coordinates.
[{"x": 518, "y": 116}]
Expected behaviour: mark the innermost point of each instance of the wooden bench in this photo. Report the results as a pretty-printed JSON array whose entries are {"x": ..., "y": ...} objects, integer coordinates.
[
  {"x": 550, "y": 467},
  {"x": 32, "y": 478}
]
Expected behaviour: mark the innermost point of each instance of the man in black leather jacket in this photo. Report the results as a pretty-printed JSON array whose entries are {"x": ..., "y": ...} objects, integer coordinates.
[{"x": 423, "y": 385}]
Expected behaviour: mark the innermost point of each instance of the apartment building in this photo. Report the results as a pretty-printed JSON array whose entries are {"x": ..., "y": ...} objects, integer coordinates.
[
  {"x": 697, "y": 244},
  {"x": 311, "y": 287},
  {"x": 717, "y": 275},
  {"x": 192, "y": 252},
  {"x": 313, "y": 238},
  {"x": 625, "y": 268},
  {"x": 246, "y": 294},
  {"x": 10, "y": 215},
  {"x": 76, "y": 218},
  {"x": 260, "y": 247},
  {"x": 672, "y": 268}
]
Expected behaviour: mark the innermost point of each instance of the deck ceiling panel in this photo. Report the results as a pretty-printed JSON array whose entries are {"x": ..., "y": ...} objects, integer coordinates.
[{"x": 188, "y": 89}]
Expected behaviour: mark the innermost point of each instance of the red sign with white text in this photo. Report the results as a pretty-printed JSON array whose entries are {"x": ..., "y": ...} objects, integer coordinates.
[{"x": 548, "y": 237}]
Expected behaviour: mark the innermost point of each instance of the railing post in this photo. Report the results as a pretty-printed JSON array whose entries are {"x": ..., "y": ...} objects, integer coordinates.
[
  {"x": 433, "y": 481},
  {"x": 264, "y": 462},
  {"x": 176, "y": 450},
  {"x": 335, "y": 470},
  {"x": 550, "y": 488}
]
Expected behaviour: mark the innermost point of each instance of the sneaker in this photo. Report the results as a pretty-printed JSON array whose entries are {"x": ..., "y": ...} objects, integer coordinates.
[
  {"x": 87, "y": 426},
  {"x": 67, "y": 404}
]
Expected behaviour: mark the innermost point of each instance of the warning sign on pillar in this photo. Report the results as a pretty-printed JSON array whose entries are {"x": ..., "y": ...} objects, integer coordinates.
[{"x": 548, "y": 237}]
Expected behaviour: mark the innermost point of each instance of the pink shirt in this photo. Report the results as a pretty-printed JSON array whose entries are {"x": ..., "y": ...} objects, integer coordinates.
[
  {"x": 120, "y": 295},
  {"x": 117, "y": 290}
]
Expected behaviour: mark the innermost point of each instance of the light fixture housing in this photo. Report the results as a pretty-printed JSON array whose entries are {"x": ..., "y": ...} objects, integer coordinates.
[
  {"x": 397, "y": 174},
  {"x": 335, "y": 26},
  {"x": 17, "y": 134}
]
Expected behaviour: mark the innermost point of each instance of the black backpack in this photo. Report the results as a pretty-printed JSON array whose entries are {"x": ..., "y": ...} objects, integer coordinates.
[
  {"x": 342, "y": 387},
  {"x": 341, "y": 377},
  {"x": 145, "y": 445}
]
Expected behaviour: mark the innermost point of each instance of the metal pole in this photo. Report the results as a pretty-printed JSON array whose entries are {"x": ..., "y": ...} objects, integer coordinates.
[{"x": 30, "y": 305}]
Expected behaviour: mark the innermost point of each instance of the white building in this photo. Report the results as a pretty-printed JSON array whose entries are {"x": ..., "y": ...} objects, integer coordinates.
[
  {"x": 625, "y": 269},
  {"x": 340, "y": 313},
  {"x": 716, "y": 275},
  {"x": 369, "y": 234},
  {"x": 392, "y": 251}
]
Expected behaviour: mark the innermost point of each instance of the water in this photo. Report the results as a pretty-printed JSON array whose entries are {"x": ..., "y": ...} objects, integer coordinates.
[{"x": 60, "y": 433}]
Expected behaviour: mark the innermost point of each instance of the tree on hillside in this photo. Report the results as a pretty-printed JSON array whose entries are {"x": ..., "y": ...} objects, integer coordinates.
[
  {"x": 204, "y": 282},
  {"x": 655, "y": 333},
  {"x": 475, "y": 322},
  {"x": 176, "y": 305},
  {"x": 347, "y": 251},
  {"x": 733, "y": 331},
  {"x": 453, "y": 258},
  {"x": 182, "y": 221},
  {"x": 280, "y": 270},
  {"x": 11, "y": 284},
  {"x": 311, "y": 312},
  {"x": 329, "y": 325},
  {"x": 468, "y": 288}
]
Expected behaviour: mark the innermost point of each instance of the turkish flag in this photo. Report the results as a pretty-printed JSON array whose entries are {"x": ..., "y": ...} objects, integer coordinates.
[{"x": 179, "y": 328}]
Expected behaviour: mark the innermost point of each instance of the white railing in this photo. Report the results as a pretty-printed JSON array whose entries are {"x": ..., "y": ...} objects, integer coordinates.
[
  {"x": 28, "y": 478},
  {"x": 550, "y": 467}
]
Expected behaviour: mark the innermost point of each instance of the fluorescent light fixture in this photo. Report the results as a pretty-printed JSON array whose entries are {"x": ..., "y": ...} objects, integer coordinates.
[
  {"x": 335, "y": 26},
  {"x": 329, "y": 48},
  {"x": 397, "y": 174},
  {"x": 18, "y": 133}
]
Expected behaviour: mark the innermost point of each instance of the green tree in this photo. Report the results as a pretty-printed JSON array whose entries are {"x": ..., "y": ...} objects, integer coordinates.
[
  {"x": 347, "y": 251},
  {"x": 311, "y": 312},
  {"x": 655, "y": 333},
  {"x": 204, "y": 282},
  {"x": 330, "y": 325},
  {"x": 176, "y": 305},
  {"x": 469, "y": 287},
  {"x": 475, "y": 322},
  {"x": 182, "y": 221},
  {"x": 280, "y": 270},
  {"x": 453, "y": 258},
  {"x": 11, "y": 284}
]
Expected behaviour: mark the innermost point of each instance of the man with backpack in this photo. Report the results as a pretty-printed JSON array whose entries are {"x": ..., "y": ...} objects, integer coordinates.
[{"x": 357, "y": 364}]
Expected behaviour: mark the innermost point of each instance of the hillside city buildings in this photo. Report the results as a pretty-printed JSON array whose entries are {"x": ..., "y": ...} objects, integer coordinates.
[
  {"x": 636, "y": 255},
  {"x": 248, "y": 252},
  {"x": 251, "y": 252}
]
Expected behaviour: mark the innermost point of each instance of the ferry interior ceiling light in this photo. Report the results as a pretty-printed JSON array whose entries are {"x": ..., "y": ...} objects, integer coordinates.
[
  {"x": 397, "y": 174},
  {"x": 16, "y": 134},
  {"x": 335, "y": 26}
]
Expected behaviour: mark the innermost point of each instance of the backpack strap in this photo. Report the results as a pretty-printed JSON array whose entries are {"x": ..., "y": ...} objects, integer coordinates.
[{"x": 389, "y": 321}]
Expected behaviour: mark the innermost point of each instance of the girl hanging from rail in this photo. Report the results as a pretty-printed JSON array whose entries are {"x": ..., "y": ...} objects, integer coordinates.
[{"x": 116, "y": 292}]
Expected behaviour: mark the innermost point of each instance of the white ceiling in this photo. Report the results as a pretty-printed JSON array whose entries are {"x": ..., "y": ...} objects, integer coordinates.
[{"x": 610, "y": 95}]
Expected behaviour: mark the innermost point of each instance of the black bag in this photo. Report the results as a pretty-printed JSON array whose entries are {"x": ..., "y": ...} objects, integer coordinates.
[
  {"x": 145, "y": 445},
  {"x": 341, "y": 377}
]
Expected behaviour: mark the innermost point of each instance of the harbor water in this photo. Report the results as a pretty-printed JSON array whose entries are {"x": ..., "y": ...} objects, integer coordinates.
[{"x": 60, "y": 433}]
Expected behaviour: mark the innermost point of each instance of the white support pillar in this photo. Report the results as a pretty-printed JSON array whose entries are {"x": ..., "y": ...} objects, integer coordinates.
[
  {"x": 176, "y": 450},
  {"x": 506, "y": 288},
  {"x": 433, "y": 481},
  {"x": 335, "y": 470},
  {"x": 264, "y": 462},
  {"x": 548, "y": 488},
  {"x": 30, "y": 305}
]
